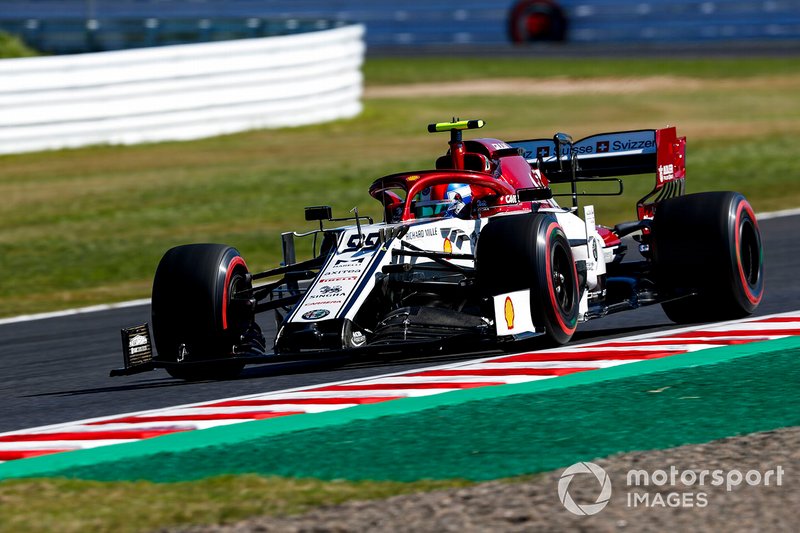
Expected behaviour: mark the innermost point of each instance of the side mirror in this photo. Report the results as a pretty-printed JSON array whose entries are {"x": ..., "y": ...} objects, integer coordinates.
[
  {"x": 533, "y": 195},
  {"x": 562, "y": 139},
  {"x": 319, "y": 212}
]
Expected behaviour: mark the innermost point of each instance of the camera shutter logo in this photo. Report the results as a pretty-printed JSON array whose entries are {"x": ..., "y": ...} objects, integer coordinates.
[{"x": 589, "y": 508}]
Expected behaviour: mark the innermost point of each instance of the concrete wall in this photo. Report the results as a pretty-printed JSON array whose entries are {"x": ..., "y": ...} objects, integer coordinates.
[{"x": 180, "y": 92}]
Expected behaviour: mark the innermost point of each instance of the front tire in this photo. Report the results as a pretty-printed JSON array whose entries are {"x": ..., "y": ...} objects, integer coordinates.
[
  {"x": 532, "y": 252},
  {"x": 708, "y": 244},
  {"x": 193, "y": 315}
]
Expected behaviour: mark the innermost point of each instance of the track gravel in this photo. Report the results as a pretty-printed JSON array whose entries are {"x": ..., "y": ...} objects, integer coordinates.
[{"x": 533, "y": 505}]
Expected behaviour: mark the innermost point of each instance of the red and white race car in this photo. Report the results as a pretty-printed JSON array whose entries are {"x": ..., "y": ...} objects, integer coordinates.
[{"x": 475, "y": 249}]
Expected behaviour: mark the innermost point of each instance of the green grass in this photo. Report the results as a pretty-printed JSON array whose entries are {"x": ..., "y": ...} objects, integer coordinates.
[
  {"x": 12, "y": 46},
  {"x": 86, "y": 226},
  {"x": 67, "y": 506},
  {"x": 428, "y": 69}
]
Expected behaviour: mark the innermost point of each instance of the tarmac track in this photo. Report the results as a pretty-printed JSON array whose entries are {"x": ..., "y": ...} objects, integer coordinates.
[{"x": 56, "y": 370}]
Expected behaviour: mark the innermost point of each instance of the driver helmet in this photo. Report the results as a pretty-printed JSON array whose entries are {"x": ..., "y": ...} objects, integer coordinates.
[{"x": 442, "y": 200}]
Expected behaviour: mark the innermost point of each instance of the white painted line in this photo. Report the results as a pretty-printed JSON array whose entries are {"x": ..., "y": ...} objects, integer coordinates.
[
  {"x": 177, "y": 427},
  {"x": 302, "y": 394},
  {"x": 678, "y": 346},
  {"x": 714, "y": 335},
  {"x": 542, "y": 365},
  {"x": 191, "y": 411},
  {"x": 60, "y": 444},
  {"x": 624, "y": 349},
  {"x": 405, "y": 379},
  {"x": 766, "y": 327},
  {"x": 70, "y": 312},
  {"x": 778, "y": 214}
]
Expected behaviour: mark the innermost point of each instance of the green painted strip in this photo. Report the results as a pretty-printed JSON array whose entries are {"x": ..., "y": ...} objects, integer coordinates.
[{"x": 454, "y": 434}]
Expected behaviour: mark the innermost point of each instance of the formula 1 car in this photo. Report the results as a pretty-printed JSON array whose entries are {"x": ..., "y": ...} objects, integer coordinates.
[{"x": 476, "y": 249}]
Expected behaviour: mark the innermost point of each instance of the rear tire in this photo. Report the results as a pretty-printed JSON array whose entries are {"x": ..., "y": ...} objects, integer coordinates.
[
  {"x": 532, "y": 252},
  {"x": 192, "y": 308},
  {"x": 708, "y": 243}
]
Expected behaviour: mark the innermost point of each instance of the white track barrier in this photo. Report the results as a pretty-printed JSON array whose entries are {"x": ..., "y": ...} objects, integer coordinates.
[{"x": 180, "y": 92}]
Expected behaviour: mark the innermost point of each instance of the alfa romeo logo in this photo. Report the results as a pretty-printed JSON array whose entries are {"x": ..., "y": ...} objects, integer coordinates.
[
  {"x": 602, "y": 498},
  {"x": 316, "y": 314}
]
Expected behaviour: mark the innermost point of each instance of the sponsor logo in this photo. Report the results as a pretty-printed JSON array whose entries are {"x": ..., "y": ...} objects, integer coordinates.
[
  {"x": 602, "y": 147},
  {"x": 316, "y": 314},
  {"x": 139, "y": 349},
  {"x": 330, "y": 289},
  {"x": 327, "y": 297},
  {"x": 500, "y": 146},
  {"x": 137, "y": 340},
  {"x": 508, "y": 199},
  {"x": 618, "y": 146},
  {"x": 666, "y": 173},
  {"x": 338, "y": 261},
  {"x": 543, "y": 151},
  {"x": 339, "y": 278},
  {"x": 420, "y": 233},
  {"x": 358, "y": 339},
  {"x": 447, "y": 246},
  {"x": 589, "y": 508},
  {"x": 508, "y": 312}
]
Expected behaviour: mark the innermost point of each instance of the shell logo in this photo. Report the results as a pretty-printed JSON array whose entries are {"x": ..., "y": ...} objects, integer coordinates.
[
  {"x": 448, "y": 246},
  {"x": 508, "y": 311}
]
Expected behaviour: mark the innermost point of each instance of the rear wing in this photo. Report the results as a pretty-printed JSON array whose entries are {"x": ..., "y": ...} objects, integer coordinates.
[{"x": 625, "y": 153}]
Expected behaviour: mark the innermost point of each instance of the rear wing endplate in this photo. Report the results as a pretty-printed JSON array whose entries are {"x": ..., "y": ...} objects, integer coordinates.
[{"x": 624, "y": 153}]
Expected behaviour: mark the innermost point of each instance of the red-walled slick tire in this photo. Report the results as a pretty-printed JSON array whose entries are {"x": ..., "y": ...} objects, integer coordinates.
[
  {"x": 708, "y": 244},
  {"x": 532, "y": 252},
  {"x": 193, "y": 317}
]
